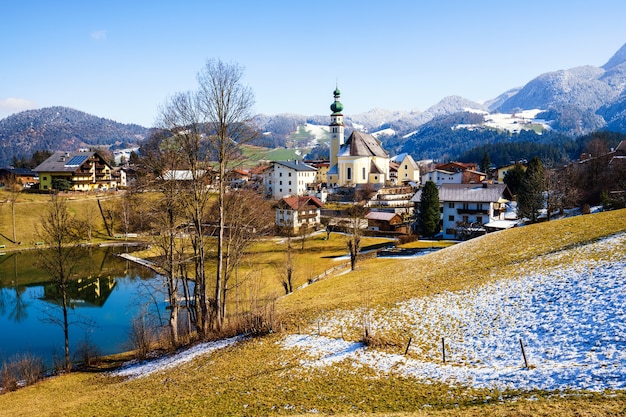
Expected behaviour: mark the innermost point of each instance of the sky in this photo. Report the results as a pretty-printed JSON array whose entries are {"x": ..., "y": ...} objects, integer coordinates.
[{"x": 122, "y": 60}]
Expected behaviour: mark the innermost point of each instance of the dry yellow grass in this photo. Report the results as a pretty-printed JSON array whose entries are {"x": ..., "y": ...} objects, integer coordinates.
[{"x": 256, "y": 377}]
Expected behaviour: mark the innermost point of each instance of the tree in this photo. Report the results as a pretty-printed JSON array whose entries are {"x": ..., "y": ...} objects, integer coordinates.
[
  {"x": 485, "y": 164},
  {"x": 428, "y": 217},
  {"x": 356, "y": 213},
  {"x": 530, "y": 196},
  {"x": 210, "y": 125},
  {"x": 227, "y": 105},
  {"x": 61, "y": 232},
  {"x": 513, "y": 178},
  {"x": 14, "y": 185}
]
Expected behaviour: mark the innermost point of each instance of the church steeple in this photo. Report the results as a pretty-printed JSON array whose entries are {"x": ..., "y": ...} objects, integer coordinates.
[{"x": 336, "y": 127}]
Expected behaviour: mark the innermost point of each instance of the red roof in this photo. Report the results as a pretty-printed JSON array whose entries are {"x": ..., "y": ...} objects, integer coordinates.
[{"x": 296, "y": 202}]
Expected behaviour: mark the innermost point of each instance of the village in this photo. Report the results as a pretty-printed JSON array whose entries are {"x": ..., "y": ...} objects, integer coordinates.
[{"x": 313, "y": 194}]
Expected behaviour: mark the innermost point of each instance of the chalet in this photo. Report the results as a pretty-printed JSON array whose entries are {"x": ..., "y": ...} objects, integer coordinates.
[
  {"x": 385, "y": 222},
  {"x": 293, "y": 212},
  {"x": 467, "y": 208},
  {"x": 288, "y": 178},
  {"x": 457, "y": 166},
  {"x": 82, "y": 171},
  {"x": 24, "y": 176}
]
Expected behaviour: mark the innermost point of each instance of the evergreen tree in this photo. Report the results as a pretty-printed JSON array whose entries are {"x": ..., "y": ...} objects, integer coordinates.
[
  {"x": 530, "y": 195},
  {"x": 428, "y": 218},
  {"x": 513, "y": 178},
  {"x": 485, "y": 164}
]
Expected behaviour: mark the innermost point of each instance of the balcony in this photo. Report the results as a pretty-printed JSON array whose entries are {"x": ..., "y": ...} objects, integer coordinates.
[{"x": 472, "y": 211}]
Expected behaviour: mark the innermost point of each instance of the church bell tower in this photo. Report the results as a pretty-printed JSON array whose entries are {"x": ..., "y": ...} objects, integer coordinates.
[{"x": 336, "y": 128}]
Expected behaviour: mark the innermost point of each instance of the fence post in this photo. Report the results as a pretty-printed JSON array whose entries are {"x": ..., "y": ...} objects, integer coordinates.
[
  {"x": 408, "y": 345},
  {"x": 523, "y": 353},
  {"x": 443, "y": 349}
]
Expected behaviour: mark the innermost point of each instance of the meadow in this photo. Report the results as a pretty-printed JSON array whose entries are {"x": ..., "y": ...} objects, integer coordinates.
[{"x": 320, "y": 362}]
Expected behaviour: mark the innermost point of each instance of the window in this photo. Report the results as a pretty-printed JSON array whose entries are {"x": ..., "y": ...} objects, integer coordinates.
[
  {"x": 451, "y": 218},
  {"x": 290, "y": 182},
  {"x": 349, "y": 173},
  {"x": 363, "y": 172},
  {"x": 280, "y": 174},
  {"x": 290, "y": 174},
  {"x": 450, "y": 205},
  {"x": 406, "y": 167},
  {"x": 281, "y": 183}
]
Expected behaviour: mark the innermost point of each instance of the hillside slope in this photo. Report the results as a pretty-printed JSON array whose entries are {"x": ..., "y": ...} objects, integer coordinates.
[
  {"x": 61, "y": 129},
  {"x": 303, "y": 372}
]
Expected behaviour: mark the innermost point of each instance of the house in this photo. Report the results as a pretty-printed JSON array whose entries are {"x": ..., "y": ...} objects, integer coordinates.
[
  {"x": 385, "y": 222},
  {"x": 470, "y": 176},
  {"x": 466, "y": 209},
  {"x": 501, "y": 171},
  {"x": 360, "y": 160},
  {"x": 24, "y": 176},
  {"x": 293, "y": 212},
  {"x": 322, "y": 171},
  {"x": 439, "y": 176},
  {"x": 288, "y": 178},
  {"x": 407, "y": 169},
  {"x": 454, "y": 166},
  {"x": 82, "y": 171}
]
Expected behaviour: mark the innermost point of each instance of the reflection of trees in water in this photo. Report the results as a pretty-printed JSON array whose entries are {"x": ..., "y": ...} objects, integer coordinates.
[{"x": 19, "y": 312}]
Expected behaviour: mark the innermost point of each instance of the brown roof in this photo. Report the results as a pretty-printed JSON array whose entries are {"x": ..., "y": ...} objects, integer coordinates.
[
  {"x": 296, "y": 202},
  {"x": 362, "y": 144}
]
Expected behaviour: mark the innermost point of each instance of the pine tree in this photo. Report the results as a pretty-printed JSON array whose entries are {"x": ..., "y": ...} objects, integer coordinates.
[
  {"x": 530, "y": 195},
  {"x": 428, "y": 218},
  {"x": 485, "y": 164}
]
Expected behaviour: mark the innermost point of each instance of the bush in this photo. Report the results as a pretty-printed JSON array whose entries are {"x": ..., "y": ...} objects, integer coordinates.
[{"x": 21, "y": 370}]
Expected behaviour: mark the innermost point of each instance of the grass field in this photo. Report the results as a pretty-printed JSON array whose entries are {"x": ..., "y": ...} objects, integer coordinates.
[{"x": 261, "y": 377}]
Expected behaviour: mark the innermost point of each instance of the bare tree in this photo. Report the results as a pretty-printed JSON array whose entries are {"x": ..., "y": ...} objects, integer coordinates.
[
  {"x": 227, "y": 105},
  {"x": 61, "y": 232},
  {"x": 14, "y": 185},
  {"x": 210, "y": 125},
  {"x": 356, "y": 213},
  {"x": 247, "y": 216}
]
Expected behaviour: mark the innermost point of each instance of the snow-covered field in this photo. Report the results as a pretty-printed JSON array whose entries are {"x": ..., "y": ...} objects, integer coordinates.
[{"x": 571, "y": 321}]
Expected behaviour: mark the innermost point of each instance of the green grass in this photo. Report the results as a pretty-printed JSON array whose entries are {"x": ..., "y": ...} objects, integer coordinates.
[{"x": 257, "y": 377}]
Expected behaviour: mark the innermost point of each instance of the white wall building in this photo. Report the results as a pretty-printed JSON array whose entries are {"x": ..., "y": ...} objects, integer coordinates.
[{"x": 288, "y": 178}]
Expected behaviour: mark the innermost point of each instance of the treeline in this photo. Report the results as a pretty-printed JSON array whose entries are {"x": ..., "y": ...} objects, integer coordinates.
[{"x": 559, "y": 151}]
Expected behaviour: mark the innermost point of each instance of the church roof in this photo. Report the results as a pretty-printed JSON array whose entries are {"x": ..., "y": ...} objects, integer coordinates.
[{"x": 362, "y": 144}]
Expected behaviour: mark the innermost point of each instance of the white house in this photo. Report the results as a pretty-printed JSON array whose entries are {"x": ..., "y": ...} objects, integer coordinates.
[
  {"x": 295, "y": 211},
  {"x": 288, "y": 178},
  {"x": 467, "y": 208},
  {"x": 440, "y": 176}
]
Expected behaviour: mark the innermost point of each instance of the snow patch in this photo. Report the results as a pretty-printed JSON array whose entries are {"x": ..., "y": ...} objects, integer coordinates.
[
  {"x": 134, "y": 369},
  {"x": 571, "y": 320}
]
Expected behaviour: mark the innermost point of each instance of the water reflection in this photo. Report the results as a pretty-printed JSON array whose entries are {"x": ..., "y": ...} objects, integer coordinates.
[{"x": 107, "y": 293}]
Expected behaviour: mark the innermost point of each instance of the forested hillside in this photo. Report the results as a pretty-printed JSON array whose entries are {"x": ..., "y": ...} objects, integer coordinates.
[{"x": 62, "y": 128}]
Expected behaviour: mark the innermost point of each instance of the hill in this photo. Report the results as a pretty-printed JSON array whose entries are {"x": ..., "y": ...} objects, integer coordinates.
[
  {"x": 557, "y": 286},
  {"x": 62, "y": 129}
]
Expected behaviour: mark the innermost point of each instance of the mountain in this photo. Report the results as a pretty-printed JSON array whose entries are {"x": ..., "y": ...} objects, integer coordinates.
[
  {"x": 577, "y": 100},
  {"x": 62, "y": 129}
]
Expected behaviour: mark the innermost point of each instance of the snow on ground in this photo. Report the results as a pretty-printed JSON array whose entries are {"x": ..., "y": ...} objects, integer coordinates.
[
  {"x": 571, "y": 320},
  {"x": 145, "y": 368}
]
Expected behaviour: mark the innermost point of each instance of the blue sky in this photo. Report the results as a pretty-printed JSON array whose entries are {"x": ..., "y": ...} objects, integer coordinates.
[{"x": 122, "y": 59}]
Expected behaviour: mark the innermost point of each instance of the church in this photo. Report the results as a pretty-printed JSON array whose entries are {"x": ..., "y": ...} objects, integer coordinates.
[{"x": 359, "y": 160}]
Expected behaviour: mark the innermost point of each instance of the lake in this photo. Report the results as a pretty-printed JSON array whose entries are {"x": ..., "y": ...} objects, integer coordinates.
[{"x": 107, "y": 295}]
